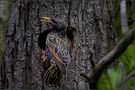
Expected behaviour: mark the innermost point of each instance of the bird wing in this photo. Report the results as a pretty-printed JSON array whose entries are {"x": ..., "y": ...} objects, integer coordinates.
[{"x": 60, "y": 47}]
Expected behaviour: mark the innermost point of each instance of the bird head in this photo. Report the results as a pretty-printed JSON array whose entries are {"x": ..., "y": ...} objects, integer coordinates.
[
  {"x": 54, "y": 23},
  {"x": 48, "y": 21}
]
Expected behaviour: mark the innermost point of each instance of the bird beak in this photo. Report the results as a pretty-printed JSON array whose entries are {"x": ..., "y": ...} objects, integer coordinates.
[{"x": 46, "y": 19}]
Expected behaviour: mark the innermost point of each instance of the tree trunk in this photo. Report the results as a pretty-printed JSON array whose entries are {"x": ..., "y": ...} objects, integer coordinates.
[
  {"x": 123, "y": 14},
  {"x": 93, "y": 39},
  {"x": 22, "y": 51}
]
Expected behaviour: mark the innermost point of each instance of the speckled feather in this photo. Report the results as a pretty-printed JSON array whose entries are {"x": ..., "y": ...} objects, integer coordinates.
[{"x": 60, "y": 45}]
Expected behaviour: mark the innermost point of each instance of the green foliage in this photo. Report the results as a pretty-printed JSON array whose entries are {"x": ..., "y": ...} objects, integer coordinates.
[
  {"x": 128, "y": 58},
  {"x": 109, "y": 80},
  {"x": 115, "y": 76},
  {"x": 104, "y": 83},
  {"x": 131, "y": 84}
]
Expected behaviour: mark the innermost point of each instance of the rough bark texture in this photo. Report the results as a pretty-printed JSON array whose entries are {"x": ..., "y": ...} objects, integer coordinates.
[
  {"x": 22, "y": 52},
  {"x": 95, "y": 37},
  {"x": 93, "y": 21}
]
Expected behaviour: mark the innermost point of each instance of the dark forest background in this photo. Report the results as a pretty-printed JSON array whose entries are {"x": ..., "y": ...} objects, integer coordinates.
[{"x": 104, "y": 52}]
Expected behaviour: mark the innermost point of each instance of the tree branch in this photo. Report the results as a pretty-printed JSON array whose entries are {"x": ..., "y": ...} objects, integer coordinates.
[
  {"x": 126, "y": 78},
  {"x": 112, "y": 55}
]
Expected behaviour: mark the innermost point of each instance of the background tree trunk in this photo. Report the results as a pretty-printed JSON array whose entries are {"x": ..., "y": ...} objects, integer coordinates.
[
  {"x": 94, "y": 38},
  {"x": 123, "y": 14}
]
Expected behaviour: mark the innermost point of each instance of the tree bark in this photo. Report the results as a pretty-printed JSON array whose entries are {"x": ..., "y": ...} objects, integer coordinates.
[
  {"x": 95, "y": 37},
  {"x": 22, "y": 51},
  {"x": 93, "y": 40}
]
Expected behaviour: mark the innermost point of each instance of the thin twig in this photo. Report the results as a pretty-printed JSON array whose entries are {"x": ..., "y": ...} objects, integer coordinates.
[{"x": 130, "y": 75}]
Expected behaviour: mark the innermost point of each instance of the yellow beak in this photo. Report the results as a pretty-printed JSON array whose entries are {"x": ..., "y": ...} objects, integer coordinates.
[{"x": 46, "y": 19}]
